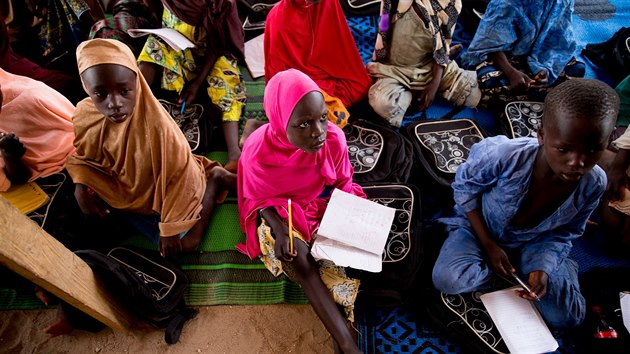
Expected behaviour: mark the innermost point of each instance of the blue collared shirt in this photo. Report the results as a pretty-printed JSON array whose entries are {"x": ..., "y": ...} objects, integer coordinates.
[{"x": 496, "y": 177}]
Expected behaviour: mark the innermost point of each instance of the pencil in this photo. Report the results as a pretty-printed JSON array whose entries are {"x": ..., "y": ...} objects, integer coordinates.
[
  {"x": 525, "y": 287},
  {"x": 290, "y": 228},
  {"x": 181, "y": 111}
]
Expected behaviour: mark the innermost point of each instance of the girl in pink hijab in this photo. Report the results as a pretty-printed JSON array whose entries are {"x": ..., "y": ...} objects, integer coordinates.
[{"x": 298, "y": 155}]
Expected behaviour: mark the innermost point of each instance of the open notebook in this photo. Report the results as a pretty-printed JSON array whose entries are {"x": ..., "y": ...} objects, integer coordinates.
[
  {"x": 171, "y": 36},
  {"x": 353, "y": 232}
]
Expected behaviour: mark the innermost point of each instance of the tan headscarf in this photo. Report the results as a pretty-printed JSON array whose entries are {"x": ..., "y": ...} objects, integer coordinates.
[{"x": 144, "y": 164}]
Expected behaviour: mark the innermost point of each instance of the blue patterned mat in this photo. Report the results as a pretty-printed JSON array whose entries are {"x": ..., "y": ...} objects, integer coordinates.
[{"x": 395, "y": 330}]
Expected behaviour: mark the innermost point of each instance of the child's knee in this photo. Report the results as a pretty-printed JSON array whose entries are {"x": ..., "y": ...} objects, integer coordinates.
[
  {"x": 567, "y": 317},
  {"x": 448, "y": 281},
  {"x": 390, "y": 101},
  {"x": 452, "y": 278}
]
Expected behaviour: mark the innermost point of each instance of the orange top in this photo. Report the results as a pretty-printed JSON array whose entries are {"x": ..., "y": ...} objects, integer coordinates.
[
  {"x": 144, "y": 164},
  {"x": 42, "y": 118}
]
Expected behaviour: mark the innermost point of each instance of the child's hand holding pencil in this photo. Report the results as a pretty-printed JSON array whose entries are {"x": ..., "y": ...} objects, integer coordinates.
[
  {"x": 536, "y": 288},
  {"x": 284, "y": 234}
]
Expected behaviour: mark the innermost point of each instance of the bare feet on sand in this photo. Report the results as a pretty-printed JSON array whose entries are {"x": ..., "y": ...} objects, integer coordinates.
[
  {"x": 251, "y": 125},
  {"x": 60, "y": 327}
]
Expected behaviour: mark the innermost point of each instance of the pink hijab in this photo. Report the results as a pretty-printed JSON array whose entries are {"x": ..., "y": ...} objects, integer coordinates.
[{"x": 271, "y": 169}]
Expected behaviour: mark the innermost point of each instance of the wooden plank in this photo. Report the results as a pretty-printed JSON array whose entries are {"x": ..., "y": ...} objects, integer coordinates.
[{"x": 31, "y": 252}]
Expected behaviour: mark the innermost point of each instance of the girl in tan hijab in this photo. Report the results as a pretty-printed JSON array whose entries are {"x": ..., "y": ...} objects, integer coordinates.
[{"x": 131, "y": 156}]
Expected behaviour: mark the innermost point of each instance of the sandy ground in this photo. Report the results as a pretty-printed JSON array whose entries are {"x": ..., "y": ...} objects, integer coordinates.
[{"x": 217, "y": 329}]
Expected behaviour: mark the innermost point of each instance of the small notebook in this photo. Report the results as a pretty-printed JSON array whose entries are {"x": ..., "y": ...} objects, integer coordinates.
[
  {"x": 26, "y": 197},
  {"x": 255, "y": 56},
  {"x": 171, "y": 36},
  {"x": 519, "y": 322},
  {"x": 353, "y": 232}
]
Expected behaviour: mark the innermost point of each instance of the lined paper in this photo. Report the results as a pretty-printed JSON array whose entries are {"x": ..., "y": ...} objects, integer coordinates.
[
  {"x": 359, "y": 229},
  {"x": 519, "y": 322}
]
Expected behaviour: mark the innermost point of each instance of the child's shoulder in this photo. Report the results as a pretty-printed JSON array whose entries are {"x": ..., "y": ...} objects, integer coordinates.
[
  {"x": 502, "y": 147},
  {"x": 84, "y": 106},
  {"x": 595, "y": 179}
]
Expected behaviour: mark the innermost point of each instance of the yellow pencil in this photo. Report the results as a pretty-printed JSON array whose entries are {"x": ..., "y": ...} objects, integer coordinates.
[{"x": 290, "y": 228}]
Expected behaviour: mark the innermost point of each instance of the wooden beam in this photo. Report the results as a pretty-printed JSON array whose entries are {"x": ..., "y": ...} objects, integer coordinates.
[{"x": 31, "y": 252}]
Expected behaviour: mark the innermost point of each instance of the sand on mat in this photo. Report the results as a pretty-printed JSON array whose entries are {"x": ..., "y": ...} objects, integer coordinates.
[{"x": 217, "y": 329}]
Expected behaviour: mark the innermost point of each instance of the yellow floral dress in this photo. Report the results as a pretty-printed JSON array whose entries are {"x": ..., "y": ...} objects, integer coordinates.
[
  {"x": 225, "y": 86},
  {"x": 343, "y": 289}
]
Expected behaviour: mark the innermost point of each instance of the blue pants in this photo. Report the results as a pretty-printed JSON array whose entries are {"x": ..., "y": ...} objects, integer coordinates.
[{"x": 461, "y": 267}]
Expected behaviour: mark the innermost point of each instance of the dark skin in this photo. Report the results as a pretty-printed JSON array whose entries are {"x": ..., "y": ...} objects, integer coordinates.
[
  {"x": 11, "y": 151},
  {"x": 519, "y": 81},
  {"x": 570, "y": 147},
  {"x": 616, "y": 222},
  {"x": 617, "y": 176},
  {"x": 113, "y": 89},
  {"x": 306, "y": 130}
]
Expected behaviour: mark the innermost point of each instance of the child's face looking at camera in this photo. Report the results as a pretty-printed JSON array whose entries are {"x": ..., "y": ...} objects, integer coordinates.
[
  {"x": 573, "y": 146},
  {"x": 113, "y": 90},
  {"x": 308, "y": 125}
]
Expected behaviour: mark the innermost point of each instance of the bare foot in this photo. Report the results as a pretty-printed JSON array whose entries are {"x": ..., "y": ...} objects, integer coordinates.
[
  {"x": 222, "y": 196},
  {"x": 60, "y": 327},
  {"x": 250, "y": 126},
  {"x": 226, "y": 181},
  {"x": 43, "y": 295},
  {"x": 232, "y": 165}
]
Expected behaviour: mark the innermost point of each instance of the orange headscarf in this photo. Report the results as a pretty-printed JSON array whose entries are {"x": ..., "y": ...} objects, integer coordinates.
[{"x": 144, "y": 164}]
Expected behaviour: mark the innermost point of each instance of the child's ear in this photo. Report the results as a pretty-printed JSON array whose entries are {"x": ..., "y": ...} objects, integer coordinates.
[{"x": 540, "y": 133}]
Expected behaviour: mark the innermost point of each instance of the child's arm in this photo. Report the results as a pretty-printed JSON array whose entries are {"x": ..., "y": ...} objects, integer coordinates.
[
  {"x": 473, "y": 178},
  {"x": 169, "y": 246},
  {"x": 496, "y": 255},
  {"x": 280, "y": 231},
  {"x": 190, "y": 91},
  {"x": 428, "y": 94},
  {"x": 89, "y": 202},
  {"x": 518, "y": 79},
  {"x": 617, "y": 176},
  {"x": 12, "y": 150}
]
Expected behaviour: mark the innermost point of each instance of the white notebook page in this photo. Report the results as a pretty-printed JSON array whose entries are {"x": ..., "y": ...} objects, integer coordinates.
[{"x": 521, "y": 326}]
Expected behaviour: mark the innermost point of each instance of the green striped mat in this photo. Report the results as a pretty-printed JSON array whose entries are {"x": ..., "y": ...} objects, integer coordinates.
[
  {"x": 221, "y": 275},
  {"x": 218, "y": 273},
  {"x": 255, "y": 90}
]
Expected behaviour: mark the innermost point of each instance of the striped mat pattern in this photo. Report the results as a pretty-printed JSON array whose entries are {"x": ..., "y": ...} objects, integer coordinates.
[
  {"x": 255, "y": 90},
  {"x": 220, "y": 275}
]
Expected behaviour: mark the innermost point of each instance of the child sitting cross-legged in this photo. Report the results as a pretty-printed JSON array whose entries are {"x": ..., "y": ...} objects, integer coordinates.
[
  {"x": 298, "y": 155},
  {"x": 132, "y": 160},
  {"x": 521, "y": 202}
]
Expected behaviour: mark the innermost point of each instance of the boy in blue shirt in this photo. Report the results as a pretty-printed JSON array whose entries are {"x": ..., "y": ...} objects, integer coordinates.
[{"x": 520, "y": 203}]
